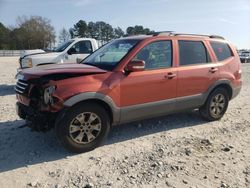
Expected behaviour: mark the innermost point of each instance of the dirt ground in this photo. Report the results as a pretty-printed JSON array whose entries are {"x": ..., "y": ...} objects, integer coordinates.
[{"x": 180, "y": 150}]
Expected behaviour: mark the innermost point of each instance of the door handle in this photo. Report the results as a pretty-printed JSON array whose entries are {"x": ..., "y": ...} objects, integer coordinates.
[
  {"x": 170, "y": 75},
  {"x": 213, "y": 70}
]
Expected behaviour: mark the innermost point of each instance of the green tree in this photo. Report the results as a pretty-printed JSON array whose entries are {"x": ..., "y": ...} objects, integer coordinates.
[
  {"x": 99, "y": 30},
  {"x": 104, "y": 32},
  {"x": 118, "y": 32},
  {"x": 130, "y": 31},
  {"x": 64, "y": 36},
  {"x": 80, "y": 29},
  {"x": 100, "y": 27},
  {"x": 137, "y": 30},
  {"x": 4, "y": 37},
  {"x": 108, "y": 32},
  {"x": 34, "y": 32},
  {"x": 71, "y": 32},
  {"x": 92, "y": 31}
]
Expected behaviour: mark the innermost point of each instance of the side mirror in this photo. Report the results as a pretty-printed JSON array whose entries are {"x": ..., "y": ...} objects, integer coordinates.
[
  {"x": 71, "y": 51},
  {"x": 135, "y": 66}
]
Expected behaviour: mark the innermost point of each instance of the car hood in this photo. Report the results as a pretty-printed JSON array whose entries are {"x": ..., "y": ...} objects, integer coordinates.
[
  {"x": 44, "y": 55},
  {"x": 59, "y": 69},
  {"x": 25, "y": 53}
]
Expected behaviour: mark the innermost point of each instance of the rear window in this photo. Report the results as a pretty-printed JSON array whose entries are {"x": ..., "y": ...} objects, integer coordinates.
[
  {"x": 192, "y": 52},
  {"x": 222, "y": 50}
]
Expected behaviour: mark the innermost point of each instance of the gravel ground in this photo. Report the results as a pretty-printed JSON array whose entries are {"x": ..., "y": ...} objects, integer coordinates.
[{"x": 179, "y": 150}]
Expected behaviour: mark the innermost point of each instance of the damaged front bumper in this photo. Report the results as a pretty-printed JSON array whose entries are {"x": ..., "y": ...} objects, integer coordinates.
[{"x": 37, "y": 120}]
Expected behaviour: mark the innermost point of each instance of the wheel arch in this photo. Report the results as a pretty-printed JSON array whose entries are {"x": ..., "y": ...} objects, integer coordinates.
[
  {"x": 103, "y": 100},
  {"x": 100, "y": 103},
  {"x": 221, "y": 84},
  {"x": 227, "y": 87}
]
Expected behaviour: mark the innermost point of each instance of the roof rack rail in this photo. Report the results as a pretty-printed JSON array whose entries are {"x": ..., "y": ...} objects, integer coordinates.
[
  {"x": 172, "y": 33},
  {"x": 158, "y": 33},
  {"x": 210, "y": 36},
  {"x": 217, "y": 37}
]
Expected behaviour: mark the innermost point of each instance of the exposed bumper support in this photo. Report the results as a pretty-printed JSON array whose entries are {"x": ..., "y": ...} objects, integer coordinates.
[{"x": 38, "y": 121}]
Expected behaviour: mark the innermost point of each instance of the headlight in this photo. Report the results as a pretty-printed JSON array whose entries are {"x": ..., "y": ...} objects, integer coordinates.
[
  {"x": 19, "y": 76},
  {"x": 27, "y": 63},
  {"x": 47, "y": 95}
]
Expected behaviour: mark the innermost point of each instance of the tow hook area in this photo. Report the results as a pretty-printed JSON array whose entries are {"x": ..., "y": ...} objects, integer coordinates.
[
  {"x": 39, "y": 123},
  {"x": 36, "y": 120}
]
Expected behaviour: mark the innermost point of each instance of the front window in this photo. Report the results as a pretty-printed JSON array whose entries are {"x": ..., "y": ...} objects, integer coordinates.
[
  {"x": 108, "y": 56},
  {"x": 156, "y": 55},
  {"x": 63, "y": 46},
  {"x": 82, "y": 47}
]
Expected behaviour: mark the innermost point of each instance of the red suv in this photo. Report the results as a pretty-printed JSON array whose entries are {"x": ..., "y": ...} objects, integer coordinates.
[{"x": 126, "y": 80}]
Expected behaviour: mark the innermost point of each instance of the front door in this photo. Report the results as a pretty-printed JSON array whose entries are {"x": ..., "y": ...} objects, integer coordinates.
[
  {"x": 150, "y": 92},
  {"x": 80, "y": 50}
]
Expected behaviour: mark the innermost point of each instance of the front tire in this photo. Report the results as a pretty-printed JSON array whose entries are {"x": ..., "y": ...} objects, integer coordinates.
[
  {"x": 216, "y": 105},
  {"x": 83, "y": 127}
]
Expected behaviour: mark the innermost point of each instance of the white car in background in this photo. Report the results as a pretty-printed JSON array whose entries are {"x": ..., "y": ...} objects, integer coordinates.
[
  {"x": 71, "y": 51},
  {"x": 245, "y": 56}
]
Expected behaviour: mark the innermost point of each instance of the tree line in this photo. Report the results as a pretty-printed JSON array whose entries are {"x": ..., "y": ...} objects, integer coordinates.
[
  {"x": 30, "y": 33},
  {"x": 36, "y": 32}
]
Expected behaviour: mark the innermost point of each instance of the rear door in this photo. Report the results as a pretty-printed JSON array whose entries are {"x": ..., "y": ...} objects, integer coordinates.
[{"x": 196, "y": 73}]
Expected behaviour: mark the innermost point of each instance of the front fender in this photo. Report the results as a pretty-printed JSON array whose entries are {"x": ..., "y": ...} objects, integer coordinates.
[{"x": 95, "y": 96}]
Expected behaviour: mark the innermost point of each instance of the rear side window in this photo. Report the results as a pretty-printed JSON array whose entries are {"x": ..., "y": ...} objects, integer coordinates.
[
  {"x": 221, "y": 50},
  {"x": 192, "y": 52}
]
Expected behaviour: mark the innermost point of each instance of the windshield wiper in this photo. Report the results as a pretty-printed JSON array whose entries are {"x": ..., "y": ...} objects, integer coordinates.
[
  {"x": 90, "y": 64},
  {"x": 87, "y": 63},
  {"x": 98, "y": 66}
]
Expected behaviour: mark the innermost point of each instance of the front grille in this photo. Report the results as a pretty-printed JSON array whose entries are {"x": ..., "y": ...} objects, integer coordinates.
[{"x": 21, "y": 86}]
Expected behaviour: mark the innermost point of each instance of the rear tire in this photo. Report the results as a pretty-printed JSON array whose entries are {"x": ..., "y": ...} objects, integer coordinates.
[
  {"x": 216, "y": 105},
  {"x": 83, "y": 127}
]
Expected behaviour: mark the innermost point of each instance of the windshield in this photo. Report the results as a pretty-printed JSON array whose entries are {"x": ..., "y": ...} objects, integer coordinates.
[
  {"x": 108, "y": 56},
  {"x": 63, "y": 46}
]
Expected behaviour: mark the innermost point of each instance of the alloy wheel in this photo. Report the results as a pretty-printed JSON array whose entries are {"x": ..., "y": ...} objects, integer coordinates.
[
  {"x": 85, "y": 128},
  {"x": 217, "y": 105}
]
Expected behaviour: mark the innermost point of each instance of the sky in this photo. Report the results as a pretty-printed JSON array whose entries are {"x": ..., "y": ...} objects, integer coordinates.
[{"x": 229, "y": 18}]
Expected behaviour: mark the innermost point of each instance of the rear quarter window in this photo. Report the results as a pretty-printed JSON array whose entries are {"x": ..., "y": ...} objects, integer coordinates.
[{"x": 221, "y": 50}]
